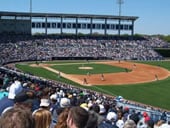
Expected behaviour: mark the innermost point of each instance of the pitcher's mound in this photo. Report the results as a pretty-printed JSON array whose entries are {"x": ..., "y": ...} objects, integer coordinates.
[{"x": 85, "y": 67}]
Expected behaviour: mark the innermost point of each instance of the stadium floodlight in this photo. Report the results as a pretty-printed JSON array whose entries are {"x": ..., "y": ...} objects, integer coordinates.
[
  {"x": 30, "y": 7},
  {"x": 120, "y": 2}
]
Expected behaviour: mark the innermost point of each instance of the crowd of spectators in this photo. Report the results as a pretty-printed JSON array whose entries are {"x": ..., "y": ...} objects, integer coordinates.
[
  {"x": 156, "y": 42},
  {"x": 28, "y": 101},
  {"x": 52, "y": 104},
  {"x": 29, "y": 48}
]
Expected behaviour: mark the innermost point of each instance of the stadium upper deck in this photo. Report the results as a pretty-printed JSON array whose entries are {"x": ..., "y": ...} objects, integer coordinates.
[{"x": 23, "y": 22}]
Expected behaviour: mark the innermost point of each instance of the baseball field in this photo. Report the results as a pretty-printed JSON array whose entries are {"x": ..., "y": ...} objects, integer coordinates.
[{"x": 145, "y": 82}]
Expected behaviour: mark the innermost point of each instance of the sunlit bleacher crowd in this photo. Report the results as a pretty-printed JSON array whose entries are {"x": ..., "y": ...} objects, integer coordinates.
[
  {"x": 28, "y": 101},
  {"x": 28, "y": 48}
]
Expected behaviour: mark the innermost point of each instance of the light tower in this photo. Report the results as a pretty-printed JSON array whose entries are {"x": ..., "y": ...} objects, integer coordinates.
[
  {"x": 31, "y": 15},
  {"x": 30, "y": 6},
  {"x": 120, "y": 2}
]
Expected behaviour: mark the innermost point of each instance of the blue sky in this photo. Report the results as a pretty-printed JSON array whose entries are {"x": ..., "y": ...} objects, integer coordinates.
[{"x": 154, "y": 16}]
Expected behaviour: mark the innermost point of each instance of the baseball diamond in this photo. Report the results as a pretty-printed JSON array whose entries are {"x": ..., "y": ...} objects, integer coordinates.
[{"x": 141, "y": 73}]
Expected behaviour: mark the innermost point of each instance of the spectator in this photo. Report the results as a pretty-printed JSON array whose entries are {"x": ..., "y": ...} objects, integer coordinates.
[
  {"x": 64, "y": 103},
  {"x": 77, "y": 118},
  {"x": 92, "y": 121},
  {"x": 42, "y": 118},
  {"x": 61, "y": 123},
  {"x": 129, "y": 124},
  {"x": 14, "y": 89},
  {"x": 17, "y": 118}
]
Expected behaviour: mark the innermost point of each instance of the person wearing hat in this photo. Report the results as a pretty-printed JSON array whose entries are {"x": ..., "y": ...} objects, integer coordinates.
[
  {"x": 111, "y": 119},
  {"x": 45, "y": 103},
  {"x": 64, "y": 102},
  {"x": 14, "y": 89},
  {"x": 85, "y": 106},
  {"x": 129, "y": 124},
  {"x": 53, "y": 107},
  {"x": 57, "y": 110},
  {"x": 21, "y": 99},
  {"x": 120, "y": 123},
  {"x": 8, "y": 101}
]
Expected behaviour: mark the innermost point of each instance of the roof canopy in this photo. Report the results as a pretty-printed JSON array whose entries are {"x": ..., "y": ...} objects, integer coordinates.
[{"x": 27, "y": 14}]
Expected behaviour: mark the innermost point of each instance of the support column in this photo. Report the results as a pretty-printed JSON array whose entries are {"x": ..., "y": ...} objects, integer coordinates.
[
  {"x": 45, "y": 25},
  {"x": 91, "y": 25},
  {"x": 31, "y": 24},
  {"x": 119, "y": 28},
  {"x": 15, "y": 18},
  {"x": 76, "y": 26},
  {"x": 132, "y": 31},
  {"x": 31, "y": 16},
  {"x": 61, "y": 26},
  {"x": 105, "y": 29}
]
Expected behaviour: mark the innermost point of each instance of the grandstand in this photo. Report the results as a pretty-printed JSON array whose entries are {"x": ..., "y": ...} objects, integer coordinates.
[
  {"x": 18, "y": 44},
  {"x": 28, "y": 22}
]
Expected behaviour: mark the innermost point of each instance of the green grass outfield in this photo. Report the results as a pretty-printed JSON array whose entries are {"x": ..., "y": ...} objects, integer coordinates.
[{"x": 154, "y": 93}]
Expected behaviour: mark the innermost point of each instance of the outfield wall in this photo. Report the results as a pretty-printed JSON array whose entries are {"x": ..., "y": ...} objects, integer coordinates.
[
  {"x": 80, "y": 58},
  {"x": 59, "y": 58},
  {"x": 165, "y": 52}
]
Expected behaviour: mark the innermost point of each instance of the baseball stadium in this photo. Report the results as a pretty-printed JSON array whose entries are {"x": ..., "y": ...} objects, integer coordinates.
[{"x": 63, "y": 60}]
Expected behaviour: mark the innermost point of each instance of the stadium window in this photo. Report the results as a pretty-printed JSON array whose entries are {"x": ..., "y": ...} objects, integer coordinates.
[
  {"x": 43, "y": 25},
  {"x": 130, "y": 27},
  {"x": 94, "y": 26},
  {"x": 33, "y": 25},
  {"x": 74, "y": 25},
  {"x": 58, "y": 25},
  {"x": 68, "y": 25},
  {"x": 48, "y": 25},
  {"x": 98, "y": 26},
  {"x": 64, "y": 25},
  {"x": 125, "y": 27},
  {"x": 53, "y": 25},
  {"x": 112, "y": 26},
  {"x": 88, "y": 26},
  {"x": 103, "y": 26},
  {"x": 78, "y": 25},
  {"x": 38, "y": 25},
  {"x": 108, "y": 26},
  {"x": 117, "y": 26},
  {"x": 83, "y": 26},
  {"x": 121, "y": 27}
]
